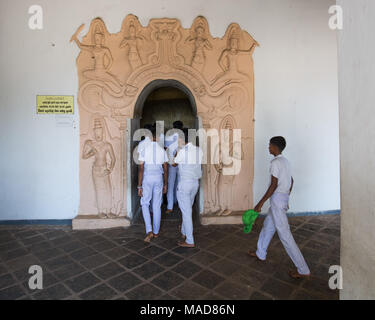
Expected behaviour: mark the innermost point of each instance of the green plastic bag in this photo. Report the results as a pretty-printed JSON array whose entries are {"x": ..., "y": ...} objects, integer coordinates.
[{"x": 248, "y": 219}]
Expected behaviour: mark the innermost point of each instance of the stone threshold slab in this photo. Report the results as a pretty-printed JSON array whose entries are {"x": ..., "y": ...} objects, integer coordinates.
[{"x": 90, "y": 222}]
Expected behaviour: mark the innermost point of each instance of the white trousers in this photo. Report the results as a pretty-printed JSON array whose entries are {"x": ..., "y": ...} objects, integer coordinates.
[
  {"x": 172, "y": 183},
  {"x": 152, "y": 187},
  {"x": 277, "y": 220},
  {"x": 186, "y": 191}
]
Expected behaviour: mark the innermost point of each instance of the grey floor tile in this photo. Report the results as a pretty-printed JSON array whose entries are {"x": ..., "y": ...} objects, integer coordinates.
[
  {"x": 144, "y": 292},
  {"x": 187, "y": 269},
  {"x": 168, "y": 280},
  {"x": 168, "y": 259},
  {"x": 124, "y": 282},
  {"x": 208, "y": 279},
  {"x": 108, "y": 270},
  {"x": 132, "y": 261},
  {"x": 12, "y": 293},
  {"x": 148, "y": 270},
  {"x": 56, "y": 292},
  {"x": 189, "y": 291},
  {"x": 82, "y": 282},
  {"x": 100, "y": 292}
]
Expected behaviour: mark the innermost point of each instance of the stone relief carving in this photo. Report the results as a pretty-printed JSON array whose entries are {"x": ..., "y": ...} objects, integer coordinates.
[
  {"x": 131, "y": 42},
  {"x": 99, "y": 148},
  {"x": 225, "y": 153},
  {"x": 114, "y": 68},
  {"x": 198, "y": 37}
]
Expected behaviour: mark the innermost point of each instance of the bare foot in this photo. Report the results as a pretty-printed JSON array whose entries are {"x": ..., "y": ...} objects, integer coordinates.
[
  {"x": 149, "y": 236},
  {"x": 254, "y": 255},
  {"x": 295, "y": 275},
  {"x": 186, "y": 245}
]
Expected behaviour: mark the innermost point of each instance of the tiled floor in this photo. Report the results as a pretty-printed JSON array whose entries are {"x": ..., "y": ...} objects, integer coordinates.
[{"x": 117, "y": 264}]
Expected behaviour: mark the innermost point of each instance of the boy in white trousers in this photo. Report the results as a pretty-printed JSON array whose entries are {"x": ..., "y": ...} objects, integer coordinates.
[
  {"x": 152, "y": 184},
  {"x": 171, "y": 143},
  {"x": 276, "y": 220},
  {"x": 189, "y": 160}
]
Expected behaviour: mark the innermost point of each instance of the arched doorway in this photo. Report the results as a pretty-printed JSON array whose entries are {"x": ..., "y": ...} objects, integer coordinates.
[{"x": 167, "y": 101}]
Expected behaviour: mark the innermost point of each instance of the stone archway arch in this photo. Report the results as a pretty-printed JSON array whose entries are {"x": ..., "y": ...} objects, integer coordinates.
[{"x": 160, "y": 83}]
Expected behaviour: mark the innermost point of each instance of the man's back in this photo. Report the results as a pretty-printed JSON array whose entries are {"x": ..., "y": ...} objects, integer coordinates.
[
  {"x": 153, "y": 156},
  {"x": 189, "y": 160}
]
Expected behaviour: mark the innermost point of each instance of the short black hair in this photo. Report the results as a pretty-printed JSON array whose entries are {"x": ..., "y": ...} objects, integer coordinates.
[
  {"x": 279, "y": 142},
  {"x": 178, "y": 125},
  {"x": 148, "y": 126}
]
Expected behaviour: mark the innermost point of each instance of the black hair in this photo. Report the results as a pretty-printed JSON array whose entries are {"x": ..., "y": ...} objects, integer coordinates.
[
  {"x": 178, "y": 125},
  {"x": 148, "y": 126},
  {"x": 279, "y": 142}
]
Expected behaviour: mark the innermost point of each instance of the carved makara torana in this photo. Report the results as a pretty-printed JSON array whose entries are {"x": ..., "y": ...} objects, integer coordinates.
[{"x": 114, "y": 68}]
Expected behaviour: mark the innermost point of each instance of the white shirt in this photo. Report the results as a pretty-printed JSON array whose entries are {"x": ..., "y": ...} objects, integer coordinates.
[
  {"x": 280, "y": 169},
  {"x": 189, "y": 160},
  {"x": 153, "y": 156},
  {"x": 142, "y": 144},
  {"x": 171, "y": 143}
]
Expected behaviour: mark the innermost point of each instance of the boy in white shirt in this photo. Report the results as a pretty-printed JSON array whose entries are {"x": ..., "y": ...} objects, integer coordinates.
[
  {"x": 171, "y": 143},
  {"x": 142, "y": 144},
  {"x": 189, "y": 160},
  {"x": 276, "y": 220},
  {"x": 152, "y": 184}
]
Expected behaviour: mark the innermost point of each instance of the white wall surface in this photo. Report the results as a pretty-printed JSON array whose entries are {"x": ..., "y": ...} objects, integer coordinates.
[
  {"x": 295, "y": 94},
  {"x": 356, "y": 45}
]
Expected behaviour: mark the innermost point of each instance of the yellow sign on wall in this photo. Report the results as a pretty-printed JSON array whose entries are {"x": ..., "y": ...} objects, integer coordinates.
[{"x": 55, "y": 104}]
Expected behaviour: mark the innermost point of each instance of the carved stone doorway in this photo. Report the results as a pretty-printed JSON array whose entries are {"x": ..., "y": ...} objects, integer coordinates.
[{"x": 167, "y": 101}]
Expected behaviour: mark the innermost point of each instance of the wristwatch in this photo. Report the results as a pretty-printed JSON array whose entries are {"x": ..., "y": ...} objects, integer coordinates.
[{"x": 139, "y": 187}]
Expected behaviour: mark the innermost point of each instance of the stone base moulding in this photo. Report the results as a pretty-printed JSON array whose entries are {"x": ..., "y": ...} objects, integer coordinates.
[
  {"x": 234, "y": 218},
  {"x": 88, "y": 222}
]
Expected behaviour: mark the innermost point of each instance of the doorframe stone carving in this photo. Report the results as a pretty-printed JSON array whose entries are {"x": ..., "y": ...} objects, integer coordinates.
[{"x": 114, "y": 70}]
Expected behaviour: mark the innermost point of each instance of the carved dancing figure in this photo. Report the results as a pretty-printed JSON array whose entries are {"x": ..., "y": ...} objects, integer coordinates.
[
  {"x": 99, "y": 53},
  {"x": 228, "y": 61},
  {"x": 101, "y": 169},
  {"x": 132, "y": 42},
  {"x": 201, "y": 43}
]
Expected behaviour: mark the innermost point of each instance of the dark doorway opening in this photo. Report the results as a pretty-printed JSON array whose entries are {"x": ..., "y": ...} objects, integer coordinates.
[{"x": 167, "y": 101}]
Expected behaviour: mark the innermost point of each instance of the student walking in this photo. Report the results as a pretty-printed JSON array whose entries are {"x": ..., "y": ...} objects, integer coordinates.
[
  {"x": 171, "y": 143},
  {"x": 189, "y": 160},
  {"x": 152, "y": 184},
  {"x": 276, "y": 220}
]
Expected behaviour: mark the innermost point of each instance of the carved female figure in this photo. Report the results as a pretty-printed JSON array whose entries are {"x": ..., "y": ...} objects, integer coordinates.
[
  {"x": 201, "y": 43},
  {"x": 226, "y": 152},
  {"x": 101, "y": 169},
  {"x": 132, "y": 43}
]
